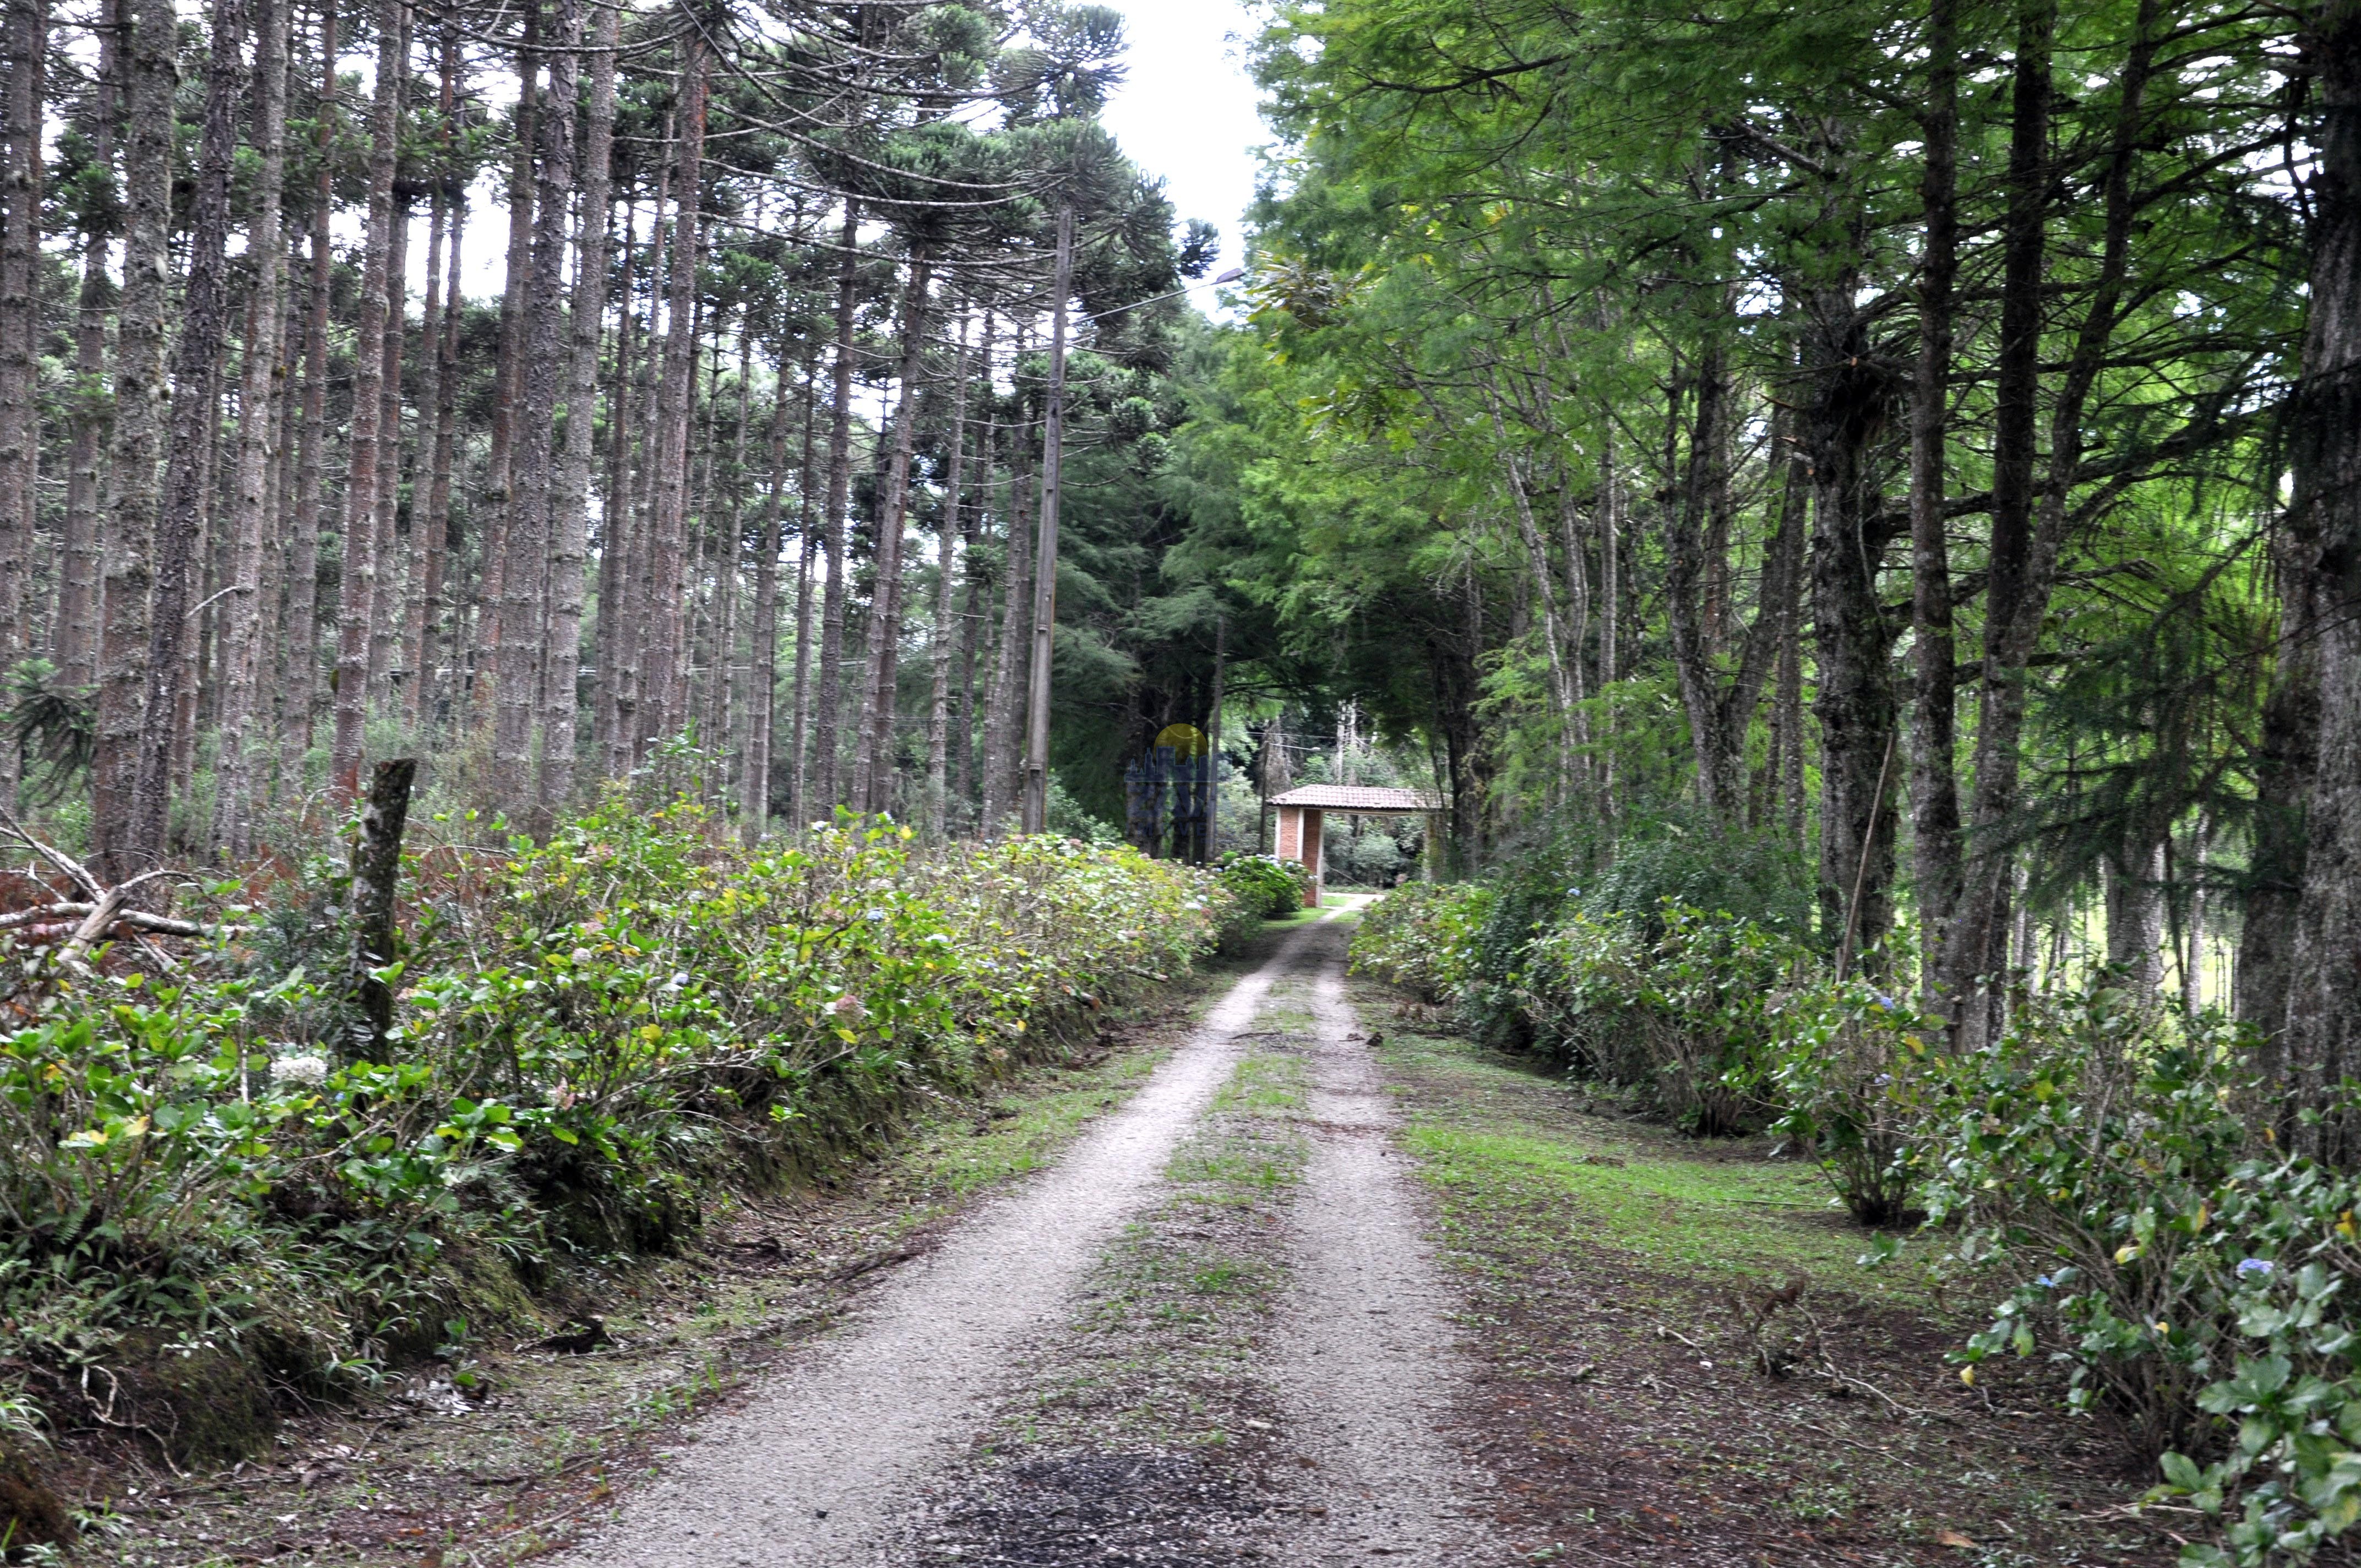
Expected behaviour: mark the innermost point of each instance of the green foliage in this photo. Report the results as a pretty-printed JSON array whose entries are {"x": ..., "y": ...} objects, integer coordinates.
[
  {"x": 2116, "y": 1163},
  {"x": 1688, "y": 1018},
  {"x": 1272, "y": 888},
  {"x": 590, "y": 1035},
  {"x": 1846, "y": 1067},
  {"x": 1421, "y": 937},
  {"x": 2194, "y": 1275}
]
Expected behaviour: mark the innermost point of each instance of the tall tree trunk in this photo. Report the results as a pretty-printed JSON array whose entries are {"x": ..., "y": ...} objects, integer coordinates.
[
  {"x": 499, "y": 468},
  {"x": 302, "y": 670},
  {"x": 410, "y": 656},
  {"x": 2023, "y": 574},
  {"x": 1610, "y": 610},
  {"x": 1934, "y": 786},
  {"x": 662, "y": 674},
  {"x": 724, "y": 702},
  {"x": 430, "y": 498},
  {"x": 807, "y": 553},
  {"x": 873, "y": 786},
  {"x": 607, "y": 725},
  {"x": 762, "y": 647},
  {"x": 1537, "y": 563},
  {"x": 946, "y": 545},
  {"x": 393, "y": 566},
  {"x": 571, "y": 503},
  {"x": 1848, "y": 404},
  {"x": 77, "y": 627},
  {"x": 2010, "y": 587},
  {"x": 1690, "y": 609},
  {"x": 1045, "y": 548},
  {"x": 196, "y": 362},
  {"x": 975, "y": 611},
  {"x": 258, "y": 399},
  {"x": 1003, "y": 718},
  {"x": 357, "y": 592},
  {"x": 546, "y": 365},
  {"x": 434, "y": 591},
  {"x": 27, "y": 60},
  {"x": 2288, "y": 756},
  {"x": 639, "y": 510},
  {"x": 840, "y": 493},
  {"x": 2322, "y": 1044}
]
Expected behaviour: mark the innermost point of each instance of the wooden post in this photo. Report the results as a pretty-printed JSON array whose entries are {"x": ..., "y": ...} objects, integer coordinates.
[{"x": 377, "y": 870}]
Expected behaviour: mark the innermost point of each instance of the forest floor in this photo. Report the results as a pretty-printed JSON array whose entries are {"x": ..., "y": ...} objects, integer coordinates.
[{"x": 1287, "y": 1274}]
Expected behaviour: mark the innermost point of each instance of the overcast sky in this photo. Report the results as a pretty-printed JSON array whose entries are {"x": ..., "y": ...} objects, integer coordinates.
[{"x": 1187, "y": 112}]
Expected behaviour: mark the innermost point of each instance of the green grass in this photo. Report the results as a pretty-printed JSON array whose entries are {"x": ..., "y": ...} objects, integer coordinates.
[
  {"x": 1263, "y": 1085},
  {"x": 1502, "y": 1141},
  {"x": 1029, "y": 1130}
]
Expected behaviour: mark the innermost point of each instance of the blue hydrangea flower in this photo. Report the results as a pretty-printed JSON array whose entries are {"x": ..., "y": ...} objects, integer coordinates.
[{"x": 2249, "y": 1268}]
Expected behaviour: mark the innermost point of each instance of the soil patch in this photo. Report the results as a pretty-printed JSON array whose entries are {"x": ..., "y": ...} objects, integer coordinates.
[{"x": 1631, "y": 1292}]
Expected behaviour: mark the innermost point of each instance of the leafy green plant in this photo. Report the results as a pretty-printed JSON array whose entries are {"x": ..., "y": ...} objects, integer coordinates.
[
  {"x": 1846, "y": 1067},
  {"x": 1686, "y": 1016},
  {"x": 1270, "y": 887},
  {"x": 590, "y": 1035},
  {"x": 1421, "y": 936}
]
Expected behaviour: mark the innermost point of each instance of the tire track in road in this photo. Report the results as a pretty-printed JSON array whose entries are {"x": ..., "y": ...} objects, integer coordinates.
[
  {"x": 807, "y": 1470},
  {"x": 1365, "y": 1356}
]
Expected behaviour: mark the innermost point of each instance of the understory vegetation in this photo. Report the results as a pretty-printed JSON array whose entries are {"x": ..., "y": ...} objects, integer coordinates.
[
  {"x": 594, "y": 1039},
  {"x": 2109, "y": 1167}
]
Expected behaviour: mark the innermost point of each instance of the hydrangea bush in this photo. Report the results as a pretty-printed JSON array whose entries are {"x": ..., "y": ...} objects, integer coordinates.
[
  {"x": 594, "y": 1037},
  {"x": 2112, "y": 1171}
]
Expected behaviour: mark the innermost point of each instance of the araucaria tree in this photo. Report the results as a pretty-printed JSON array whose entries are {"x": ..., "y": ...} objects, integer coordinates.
[{"x": 719, "y": 482}]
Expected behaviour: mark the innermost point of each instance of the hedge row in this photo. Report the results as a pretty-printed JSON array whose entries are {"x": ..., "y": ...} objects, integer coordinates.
[
  {"x": 2116, "y": 1170},
  {"x": 594, "y": 1038}
]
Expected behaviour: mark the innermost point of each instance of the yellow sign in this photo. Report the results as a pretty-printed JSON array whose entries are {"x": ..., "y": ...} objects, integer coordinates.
[{"x": 1185, "y": 740}]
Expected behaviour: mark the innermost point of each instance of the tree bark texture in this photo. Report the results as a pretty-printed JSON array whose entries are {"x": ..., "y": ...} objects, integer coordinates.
[{"x": 357, "y": 594}]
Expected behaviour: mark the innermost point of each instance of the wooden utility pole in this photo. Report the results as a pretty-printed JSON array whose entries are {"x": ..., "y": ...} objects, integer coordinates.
[{"x": 1045, "y": 554}]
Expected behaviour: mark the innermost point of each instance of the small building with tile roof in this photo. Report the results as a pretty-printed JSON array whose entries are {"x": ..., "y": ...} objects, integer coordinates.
[{"x": 1304, "y": 812}]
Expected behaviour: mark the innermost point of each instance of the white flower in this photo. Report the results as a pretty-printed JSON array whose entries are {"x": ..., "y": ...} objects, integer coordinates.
[{"x": 306, "y": 1071}]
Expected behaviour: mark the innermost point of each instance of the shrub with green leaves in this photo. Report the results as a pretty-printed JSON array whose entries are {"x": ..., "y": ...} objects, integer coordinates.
[
  {"x": 1846, "y": 1067},
  {"x": 1686, "y": 1016},
  {"x": 1270, "y": 887},
  {"x": 591, "y": 1037},
  {"x": 1421, "y": 936},
  {"x": 2120, "y": 1162}
]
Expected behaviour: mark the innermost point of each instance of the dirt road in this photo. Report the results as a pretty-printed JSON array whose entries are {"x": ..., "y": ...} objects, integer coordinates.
[{"x": 1352, "y": 1351}]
